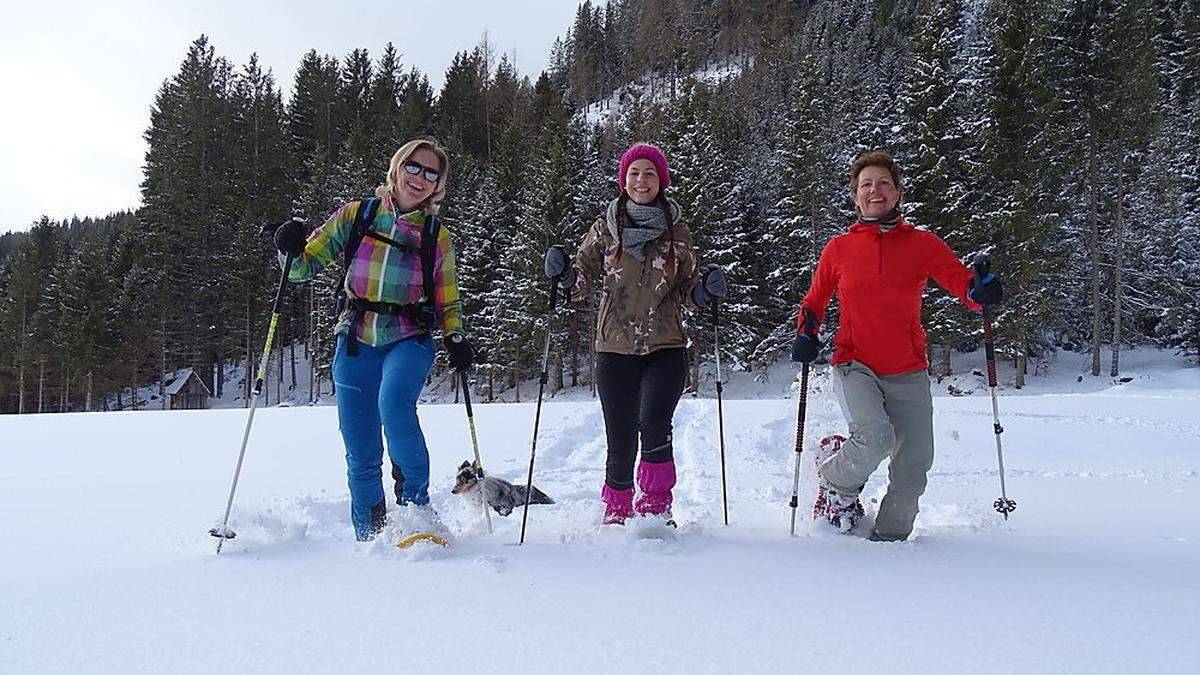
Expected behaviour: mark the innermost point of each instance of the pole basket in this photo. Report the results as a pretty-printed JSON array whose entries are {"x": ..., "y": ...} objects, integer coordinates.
[
  {"x": 223, "y": 532},
  {"x": 1004, "y": 506}
]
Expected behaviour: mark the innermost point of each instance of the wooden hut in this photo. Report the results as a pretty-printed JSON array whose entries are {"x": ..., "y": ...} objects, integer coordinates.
[{"x": 188, "y": 391}]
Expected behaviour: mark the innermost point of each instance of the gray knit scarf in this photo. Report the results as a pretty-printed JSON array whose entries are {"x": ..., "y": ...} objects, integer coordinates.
[{"x": 646, "y": 223}]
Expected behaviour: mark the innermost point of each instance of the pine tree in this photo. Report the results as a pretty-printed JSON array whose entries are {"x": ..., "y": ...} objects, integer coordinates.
[
  {"x": 1018, "y": 206},
  {"x": 30, "y": 311},
  {"x": 459, "y": 112},
  {"x": 188, "y": 194},
  {"x": 810, "y": 209},
  {"x": 316, "y": 129},
  {"x": 416, "y": 108},
  {"x": 936, "y": 181},
  {"x": 357, "y": 105},
  {"x": 386, "y": 123},
  {"x": 83, "y": 315},
  {"x": 1132, "y": 110}
]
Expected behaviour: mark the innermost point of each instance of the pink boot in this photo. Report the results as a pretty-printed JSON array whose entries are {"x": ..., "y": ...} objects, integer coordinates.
[
  {"x": 656, "y": 481},
  {"x": 618, "y": 505}
]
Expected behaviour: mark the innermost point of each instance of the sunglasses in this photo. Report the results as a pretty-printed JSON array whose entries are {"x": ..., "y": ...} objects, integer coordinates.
[{"x": 414, "y": 168}]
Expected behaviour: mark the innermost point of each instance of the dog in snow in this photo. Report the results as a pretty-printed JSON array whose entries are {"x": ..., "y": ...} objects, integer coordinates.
[{"x": 499, "y": 494}]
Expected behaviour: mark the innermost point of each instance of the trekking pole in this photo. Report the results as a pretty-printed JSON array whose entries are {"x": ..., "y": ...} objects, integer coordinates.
[
  {"x": 466, "y": 387},
  {"x": 720, "y": 411},
  {"x": 803, "y": 407},
  {"x": 537, "y": 418},
  {"x": 1004, "y": 505},
  {"x": 224, "y": 531}
]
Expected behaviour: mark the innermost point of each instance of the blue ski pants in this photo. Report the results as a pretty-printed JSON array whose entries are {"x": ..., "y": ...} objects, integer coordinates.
[{"x": 377, "y": 390}]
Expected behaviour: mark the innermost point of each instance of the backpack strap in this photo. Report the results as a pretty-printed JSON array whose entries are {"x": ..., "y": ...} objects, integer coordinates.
[
  {"x": 428, "y": 253},
  {"x": 362, "y": 224},
  {"x": 366, "y": 215}
]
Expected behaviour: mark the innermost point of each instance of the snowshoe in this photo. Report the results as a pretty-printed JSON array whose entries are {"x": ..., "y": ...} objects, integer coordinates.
[
  {"x": 654, "y": 526},
  {"x": 842, "y": 511},
  {"x": 423, "y": 524}
]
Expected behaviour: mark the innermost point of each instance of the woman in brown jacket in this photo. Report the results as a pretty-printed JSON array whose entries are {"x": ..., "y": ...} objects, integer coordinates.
[{"x": 643, "y": 251}]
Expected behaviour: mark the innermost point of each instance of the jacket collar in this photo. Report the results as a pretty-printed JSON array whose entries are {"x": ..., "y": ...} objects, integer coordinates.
[
  {"x": 873, "y": 228},
  {"x": 416, "y": 216}
]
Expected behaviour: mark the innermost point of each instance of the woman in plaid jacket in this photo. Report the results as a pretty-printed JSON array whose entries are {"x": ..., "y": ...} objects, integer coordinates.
[{"x": 384, "y": 344}]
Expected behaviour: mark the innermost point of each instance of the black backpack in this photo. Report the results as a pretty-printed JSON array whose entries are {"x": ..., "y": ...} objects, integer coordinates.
[{"x": 421, "y": 313}]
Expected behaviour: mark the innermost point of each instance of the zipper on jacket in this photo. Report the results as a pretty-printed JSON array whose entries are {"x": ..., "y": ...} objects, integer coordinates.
[{"x": 879, "y": 234}]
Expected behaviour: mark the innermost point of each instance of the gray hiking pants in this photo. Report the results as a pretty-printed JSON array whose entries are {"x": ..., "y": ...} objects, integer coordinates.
[{"x": 889, "y": 416}]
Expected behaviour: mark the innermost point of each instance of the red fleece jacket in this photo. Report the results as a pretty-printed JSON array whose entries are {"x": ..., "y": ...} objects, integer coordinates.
[{"x": 879, "y": 277}]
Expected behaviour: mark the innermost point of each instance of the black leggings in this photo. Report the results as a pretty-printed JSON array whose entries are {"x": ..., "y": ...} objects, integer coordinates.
[{"x": 638, "y": 394}]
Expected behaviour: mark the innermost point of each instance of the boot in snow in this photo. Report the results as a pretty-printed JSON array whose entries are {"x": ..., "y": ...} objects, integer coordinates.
[
  {"x": 398, "y": 479},
  {"x": 656, "y": 479},
  {"x": 378, "y": 521},
  {"x": 416, "y": 518},
  {"x": 420, "y": 522},
  {"x": 841, "y": 510},
  {"x": 618, "y": 505}
]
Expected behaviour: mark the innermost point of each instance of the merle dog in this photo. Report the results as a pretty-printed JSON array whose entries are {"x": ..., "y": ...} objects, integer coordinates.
[{"x": 500, "y": 494}]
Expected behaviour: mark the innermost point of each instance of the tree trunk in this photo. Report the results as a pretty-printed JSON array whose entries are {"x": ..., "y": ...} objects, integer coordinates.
[
  {"x": 266, "y": 366},
  {"x": 1118, "y": 265},
  {"x": 279, "y": 383},
  {"x": 41, "y": 385},
  {"x": 21, "y": 366},
  {"x": 574, "y": 346},
  {"x": 945, "y": 368},
  {"x": 87, "y": 407},
  {"x": 1019, "y": 371},
  {"x": 249, "y": 354},
  {"x": 559, "y": 373},
  {"x": 695, "y": 377},
  {"x": 592, "y": 371},
  {"x": 162, "y": 365},
  {"x": 1094, "y": 253},
  {"x": 292, "y": 350}
]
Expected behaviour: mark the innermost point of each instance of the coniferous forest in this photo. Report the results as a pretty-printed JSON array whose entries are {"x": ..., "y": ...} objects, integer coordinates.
[{"x": 1062, "y": 138}]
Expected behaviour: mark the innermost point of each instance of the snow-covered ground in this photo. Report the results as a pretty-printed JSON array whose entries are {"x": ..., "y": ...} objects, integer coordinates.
[{"x": 107, "y": 566}]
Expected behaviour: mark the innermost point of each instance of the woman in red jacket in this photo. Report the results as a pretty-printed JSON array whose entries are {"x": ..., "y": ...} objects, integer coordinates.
[{"x": 879, "y": 269}]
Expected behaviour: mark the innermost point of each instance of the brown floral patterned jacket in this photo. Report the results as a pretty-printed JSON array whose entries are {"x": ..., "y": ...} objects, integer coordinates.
[{"x": 642, "y": 301}]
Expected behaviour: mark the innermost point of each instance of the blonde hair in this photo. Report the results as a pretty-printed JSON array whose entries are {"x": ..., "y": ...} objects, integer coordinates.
[{"x": 433, "y": 201}]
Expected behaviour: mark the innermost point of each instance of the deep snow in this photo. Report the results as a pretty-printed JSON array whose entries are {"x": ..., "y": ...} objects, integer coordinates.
[{"x": 108, "y": 568}]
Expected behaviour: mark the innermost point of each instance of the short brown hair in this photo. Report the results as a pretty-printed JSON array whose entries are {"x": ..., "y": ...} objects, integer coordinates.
[{"x": 874, "y": 158}]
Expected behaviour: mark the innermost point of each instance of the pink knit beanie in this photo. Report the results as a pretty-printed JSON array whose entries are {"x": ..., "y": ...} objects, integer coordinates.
[{"x": 652, "y": 153}]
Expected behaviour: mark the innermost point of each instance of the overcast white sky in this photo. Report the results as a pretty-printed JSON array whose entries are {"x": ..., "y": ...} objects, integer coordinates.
[{"x": 78, "y": 78}]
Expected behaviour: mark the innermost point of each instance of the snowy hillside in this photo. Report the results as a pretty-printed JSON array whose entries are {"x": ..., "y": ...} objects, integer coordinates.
[{"x": 108, "y": 567}]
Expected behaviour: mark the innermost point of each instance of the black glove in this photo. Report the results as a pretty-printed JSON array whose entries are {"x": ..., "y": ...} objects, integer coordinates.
[
  {"x": 292, "y": 236},
  {"x": 556, "y": 267},
  {"x": 806, "y": 345},
  {"x": 458, "y": 351},
  {"x": 712, "y": 286},
  {"x": 985, "y": 287}
]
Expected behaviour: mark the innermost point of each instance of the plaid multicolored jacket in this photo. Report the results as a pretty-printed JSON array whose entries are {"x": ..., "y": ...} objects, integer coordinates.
[{"x": 380, "y": 272}]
